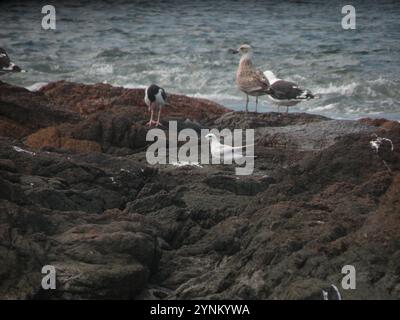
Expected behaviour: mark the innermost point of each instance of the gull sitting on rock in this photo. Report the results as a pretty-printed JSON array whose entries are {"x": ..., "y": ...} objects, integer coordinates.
[
  {"x": 223, "y": 151},
  {"x": 249, "y": 79}
]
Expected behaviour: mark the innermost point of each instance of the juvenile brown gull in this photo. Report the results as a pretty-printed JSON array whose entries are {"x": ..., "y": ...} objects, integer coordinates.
[{"x": 249, "y": 79}]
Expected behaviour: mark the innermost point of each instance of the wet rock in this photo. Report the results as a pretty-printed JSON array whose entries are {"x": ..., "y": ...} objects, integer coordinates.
[
  {"x": 88, "y": 99},
  {"x": 10, "y": 128},
  {"x": 242, "y": 120},
  {"x": 312, "y": 136},
  {"x": 383, "y": 123},
  {"x": 76, "y": 192},
  {"x": 237, "y": 185},
  {"x": 32, "y": 110}
]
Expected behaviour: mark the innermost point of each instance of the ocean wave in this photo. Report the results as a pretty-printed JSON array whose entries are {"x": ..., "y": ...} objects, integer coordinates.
[
  {"x": 376, "y": 89},
  {"x": 218, "y": 97},
  {"x": 346, "y": 89},
  {"x": 131, "y": 86},
  {"x": 101, "y": 69},
  {"x": 328, "y": 107},
  {"x": 380, "y": 81},
  {"x": 113, "y": 53}
]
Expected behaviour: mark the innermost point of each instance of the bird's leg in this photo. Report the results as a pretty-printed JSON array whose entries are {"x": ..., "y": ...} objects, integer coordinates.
[
  {"x": 287, "y": 109},
  {"x": 153, "y": 107},
  {"x": 256, "y": 102},
  {"x": 247, "y": 103},
  {"x": 151, "y": 119},
  {"x": 158, "y": 118}
]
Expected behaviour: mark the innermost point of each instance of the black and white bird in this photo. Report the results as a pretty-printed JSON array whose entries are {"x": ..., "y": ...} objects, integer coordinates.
[
  {"x": 155, "y": 98},
  {"x": 286, "y": 93},
  {"x": 6, "y": 66}
]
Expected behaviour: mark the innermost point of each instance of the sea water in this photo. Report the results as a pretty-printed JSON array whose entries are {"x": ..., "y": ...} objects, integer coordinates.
[{"x": 183, "y": 46}]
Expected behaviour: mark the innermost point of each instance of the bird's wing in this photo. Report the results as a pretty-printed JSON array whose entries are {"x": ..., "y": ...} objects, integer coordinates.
[
  {"x": 252, "y": 81},
  {"x": 163, "y": 94},
  {"x": 227, "y": 152},
  {"x": 225, "y": 149},
  {"x": 261, "y": 82},
  {"x": 220, "y": 149},
  {"x": 241, "y": 147},
  {"x": 287, "y": 90},
  {"x": 262, "y": 78},
  {"x": 4, "y": 59}
]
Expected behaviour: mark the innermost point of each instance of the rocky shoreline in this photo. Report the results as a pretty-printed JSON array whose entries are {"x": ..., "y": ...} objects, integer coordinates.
[{"x": 76, "y": 192}]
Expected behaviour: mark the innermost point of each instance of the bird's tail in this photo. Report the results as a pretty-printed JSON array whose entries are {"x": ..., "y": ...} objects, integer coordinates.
[
  {"x": 306, "y": 95},
  {"x": 17, "y": 69}
]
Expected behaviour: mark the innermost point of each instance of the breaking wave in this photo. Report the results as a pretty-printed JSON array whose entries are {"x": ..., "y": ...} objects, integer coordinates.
[{"x": 185, "y": 50}]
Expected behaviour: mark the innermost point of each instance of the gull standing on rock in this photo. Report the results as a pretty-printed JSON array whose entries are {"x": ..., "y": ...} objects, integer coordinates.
[
  {"x": 286, "y": 93},
  {"x": 6, "y": 65},
  {"x": 155, "y": 98},
  {"x": 249, "y": 79}
]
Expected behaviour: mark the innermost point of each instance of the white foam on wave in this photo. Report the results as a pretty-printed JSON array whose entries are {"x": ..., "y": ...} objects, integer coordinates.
[
  {"x": 101, "y": 69},
  {"x": 36, "y": 86},
  {"x": 380, "y": 81},
  {"x": 325, "y": 108},
  {"x": 370, "y": 88},
  {"x": 346, "y": 89},
  {"x": 216, "y": 97},
  {"x": 131, "y": 86}
]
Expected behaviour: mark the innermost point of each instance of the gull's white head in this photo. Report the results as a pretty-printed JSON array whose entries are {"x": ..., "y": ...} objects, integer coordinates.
[{"x": 270, "y": 76}]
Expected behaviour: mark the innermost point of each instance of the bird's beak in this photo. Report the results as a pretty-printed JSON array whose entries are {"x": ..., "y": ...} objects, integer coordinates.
[{"x": 233, "y": 51}]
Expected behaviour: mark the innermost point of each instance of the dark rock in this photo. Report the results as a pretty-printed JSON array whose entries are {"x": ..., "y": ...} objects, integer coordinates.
[
  {"x": 237, "y": 185},
  {"x": 32, "y": 110},
  {"x": 241, "y": 120},
  {"x": 311, "y": 136},
  {"x": 77, "y": 193}
]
